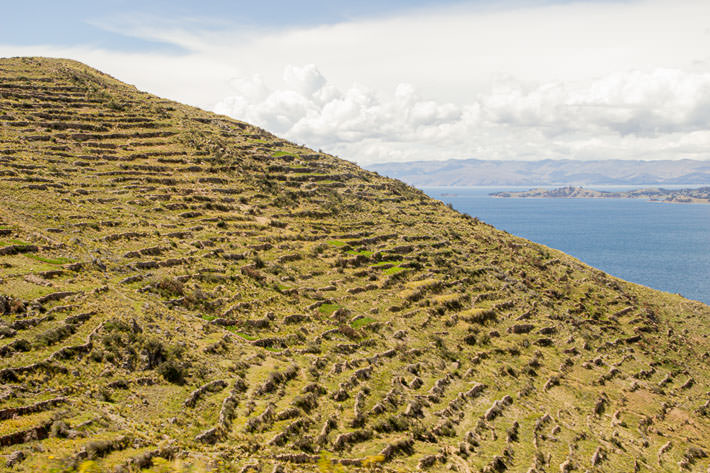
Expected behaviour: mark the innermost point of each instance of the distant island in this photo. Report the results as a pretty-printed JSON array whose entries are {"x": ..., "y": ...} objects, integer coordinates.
[
  {"x": 685, "y": 196},
  {"x": 548, "y": 172}
]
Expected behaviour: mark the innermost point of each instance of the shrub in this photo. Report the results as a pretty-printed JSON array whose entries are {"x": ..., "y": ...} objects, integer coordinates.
[
  {"x": 173, "y": 372},
  {"x": 170, "y": 287},
  {"x": 115, "y": 105},
  {"x": 155, "y": 353},
  {"x": 52, "y": 336}
]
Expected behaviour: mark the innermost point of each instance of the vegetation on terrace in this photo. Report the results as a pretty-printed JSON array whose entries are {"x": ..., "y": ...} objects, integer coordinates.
[{"x": 180, "y": 291}]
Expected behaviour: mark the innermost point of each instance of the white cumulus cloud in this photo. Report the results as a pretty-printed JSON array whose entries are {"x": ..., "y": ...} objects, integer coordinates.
[
  {"x": 661, "y": 113},
  {"x": 308, "y": 109}
]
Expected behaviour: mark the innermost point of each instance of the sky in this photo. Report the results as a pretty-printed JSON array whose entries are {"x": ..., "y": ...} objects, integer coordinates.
[{"x": 374, "y": 81}]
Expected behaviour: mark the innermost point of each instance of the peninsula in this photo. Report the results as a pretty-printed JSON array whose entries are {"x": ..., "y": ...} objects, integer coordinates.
[{"x": 699, "y": 195}]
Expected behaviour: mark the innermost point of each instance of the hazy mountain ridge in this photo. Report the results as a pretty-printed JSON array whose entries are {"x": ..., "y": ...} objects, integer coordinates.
[
  {"x": 177, "y": 285},
  {"x": 474, "y": 172}
]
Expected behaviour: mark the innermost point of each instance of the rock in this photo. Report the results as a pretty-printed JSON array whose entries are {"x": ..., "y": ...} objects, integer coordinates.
[{"x": 14, "y": 458}]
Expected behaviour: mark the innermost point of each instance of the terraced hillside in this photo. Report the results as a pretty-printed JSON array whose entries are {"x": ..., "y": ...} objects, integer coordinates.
[{"x": 176, "y": 285}]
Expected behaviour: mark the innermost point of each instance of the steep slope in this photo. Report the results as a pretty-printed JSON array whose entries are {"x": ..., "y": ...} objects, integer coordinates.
[{"x": 176, "y": 284}]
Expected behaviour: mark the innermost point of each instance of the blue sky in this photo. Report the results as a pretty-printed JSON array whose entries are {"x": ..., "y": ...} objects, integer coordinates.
[
  {"x": 77, "y": 22},
  {"x": 376, "y": 81}
]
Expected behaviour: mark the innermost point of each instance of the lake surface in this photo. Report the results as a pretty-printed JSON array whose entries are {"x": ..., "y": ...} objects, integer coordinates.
[{"x": 663, "y": 246}]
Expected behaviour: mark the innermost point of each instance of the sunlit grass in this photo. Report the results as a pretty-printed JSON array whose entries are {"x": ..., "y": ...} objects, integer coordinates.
[{"x": 43, "y": 259}]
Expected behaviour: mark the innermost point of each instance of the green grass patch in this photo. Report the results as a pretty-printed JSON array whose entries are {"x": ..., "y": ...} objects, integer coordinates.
[
  {"x": 245, "y": 336},
  {"x": 337, "y": 243},
  {"x": 279, "y": 154},
  {"x": 328, "y": 308},
  {"x": 384, "y": 263},
  {"x": 208, "y": 317},
  {"x": 362, "y": 322},
  {"x": 361, "y": 252},
  {"x": 395, "y": 270},
  {"x": 13, "y": 241},
  {"x": 60, "y": 260}
]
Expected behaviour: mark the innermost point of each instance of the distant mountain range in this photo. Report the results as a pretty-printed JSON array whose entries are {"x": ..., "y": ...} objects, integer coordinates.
[{"x": 476, "y": 172}]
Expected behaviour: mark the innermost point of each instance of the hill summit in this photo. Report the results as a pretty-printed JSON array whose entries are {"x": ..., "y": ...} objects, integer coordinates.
[{"x": 181, "y": 288}]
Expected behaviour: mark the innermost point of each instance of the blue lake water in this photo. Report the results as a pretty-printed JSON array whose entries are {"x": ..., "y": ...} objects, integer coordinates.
[{"x": 663, "y": 246}]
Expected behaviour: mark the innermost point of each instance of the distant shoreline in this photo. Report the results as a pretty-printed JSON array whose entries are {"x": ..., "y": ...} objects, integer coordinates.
[{"x": 700, "y": 195}]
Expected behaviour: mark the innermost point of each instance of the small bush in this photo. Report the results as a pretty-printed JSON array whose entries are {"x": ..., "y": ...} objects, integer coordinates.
[
  {"x": 170, "y": 287},
  {"x": 173, "y": 372},
  {"x": 115, "y": 105}
]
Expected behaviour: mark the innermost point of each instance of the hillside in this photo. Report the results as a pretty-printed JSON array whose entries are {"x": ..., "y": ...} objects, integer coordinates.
[
  {"x": 700, "y": 195},
  {"x": 548, "y": 172},
  {"x": 176, "y": 285}
]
